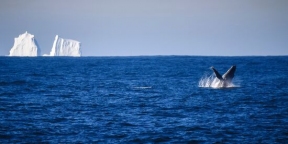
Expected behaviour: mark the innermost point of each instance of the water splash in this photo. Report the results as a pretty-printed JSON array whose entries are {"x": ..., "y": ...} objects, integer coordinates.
[
  {"x": 143, "y": 87},
  {"x": 213, "y": 82}
]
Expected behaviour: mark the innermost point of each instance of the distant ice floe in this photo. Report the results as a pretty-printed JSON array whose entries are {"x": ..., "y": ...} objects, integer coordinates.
[{"x": 25, "y": 45}]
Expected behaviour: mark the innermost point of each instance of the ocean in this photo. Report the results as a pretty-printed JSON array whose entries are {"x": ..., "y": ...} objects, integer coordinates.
[{"x": 144, "y": 99}]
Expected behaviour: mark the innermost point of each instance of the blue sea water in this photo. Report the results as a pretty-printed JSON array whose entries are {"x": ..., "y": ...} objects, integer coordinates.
[{"x": 150, "y": 99}]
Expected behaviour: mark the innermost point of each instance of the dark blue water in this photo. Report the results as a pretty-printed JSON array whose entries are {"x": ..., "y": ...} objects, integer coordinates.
[{"x": 142, "y": 100}]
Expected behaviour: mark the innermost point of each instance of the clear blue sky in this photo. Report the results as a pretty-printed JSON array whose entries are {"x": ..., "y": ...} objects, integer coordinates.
[{"x": 151, "y": 27}]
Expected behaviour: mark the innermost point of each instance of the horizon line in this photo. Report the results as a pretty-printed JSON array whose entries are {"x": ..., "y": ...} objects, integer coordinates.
[{"x": 156, "y": 56}]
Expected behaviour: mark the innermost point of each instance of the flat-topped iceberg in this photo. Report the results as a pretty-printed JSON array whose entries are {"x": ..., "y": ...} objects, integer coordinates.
[
  {"x": 25, "y": 45},
  {"x": 65, "y": 47}
]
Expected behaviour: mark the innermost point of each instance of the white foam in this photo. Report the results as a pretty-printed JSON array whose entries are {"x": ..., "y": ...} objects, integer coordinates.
[
  {"x": 142, "y": 87},
  {"x": 213, "y": 82}
]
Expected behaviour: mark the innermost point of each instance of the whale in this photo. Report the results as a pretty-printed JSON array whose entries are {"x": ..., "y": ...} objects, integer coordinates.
[{"x": 226, "y": 78}]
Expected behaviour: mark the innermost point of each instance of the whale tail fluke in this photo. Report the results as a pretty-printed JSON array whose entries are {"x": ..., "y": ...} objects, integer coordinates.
[
  {"x": 221, "y": 81},
  {"x": 216, "y": 73},
  {"x": 228, "y": 76}
]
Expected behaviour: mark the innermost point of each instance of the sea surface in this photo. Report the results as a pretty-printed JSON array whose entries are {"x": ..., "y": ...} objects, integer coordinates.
[{"x": 153, "y": 99}]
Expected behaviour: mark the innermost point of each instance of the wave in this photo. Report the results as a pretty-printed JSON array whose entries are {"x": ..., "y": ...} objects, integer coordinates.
[{"x": 16, "y": 82}]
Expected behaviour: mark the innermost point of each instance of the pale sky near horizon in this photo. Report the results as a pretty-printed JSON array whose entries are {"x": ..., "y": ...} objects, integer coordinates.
[{"x": 151, "y": 27}]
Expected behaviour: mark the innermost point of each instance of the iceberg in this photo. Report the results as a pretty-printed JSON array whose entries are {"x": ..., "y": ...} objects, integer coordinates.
[
  {"x": 65, "y": 47},
  {"x": 25, "y": 45}
]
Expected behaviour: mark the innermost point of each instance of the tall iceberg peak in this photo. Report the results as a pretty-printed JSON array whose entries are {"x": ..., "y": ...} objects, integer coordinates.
[
  {"x": 25, "y": 45},
  {"x": 65, "y": 47}
]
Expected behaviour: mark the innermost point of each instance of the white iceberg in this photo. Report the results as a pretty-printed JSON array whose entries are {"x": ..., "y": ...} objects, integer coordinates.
[
  {"x": 65, "y": 47},
  {"x": 25, "y": 45}
]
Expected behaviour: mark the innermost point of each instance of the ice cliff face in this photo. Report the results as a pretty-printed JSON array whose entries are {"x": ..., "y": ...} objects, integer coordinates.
[
  {"x": 65, "y": 47},
  {"x": 25, "y": 45}
]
